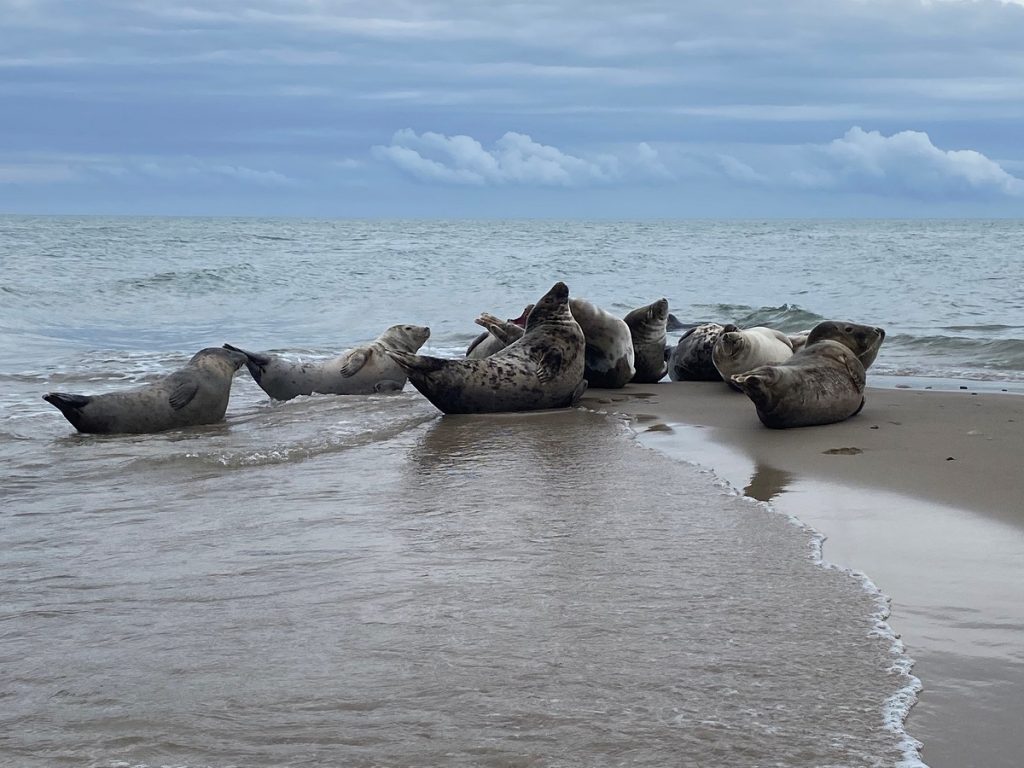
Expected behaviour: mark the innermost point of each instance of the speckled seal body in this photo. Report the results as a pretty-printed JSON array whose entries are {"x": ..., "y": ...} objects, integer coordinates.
[
  {"x": 648, "y": 326},
  {"x": 196, "y": 394},
  {"x": 740, "y": 351},
  {"x": 362, "y": 370},
  {"x": 609, "y": 351},
  {"x": 543, "y": 369},
  {"x": 863, "y": 340},
  {"x": 821, "y": 384},
  {"x": 690, "y": 359}
]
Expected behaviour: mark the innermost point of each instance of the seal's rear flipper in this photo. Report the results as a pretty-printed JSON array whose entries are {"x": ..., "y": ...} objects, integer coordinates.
[
  {"x": 69, "y": 405},
  {"x": 577, "y": 394},
  {"x": 416, "y": 363}
]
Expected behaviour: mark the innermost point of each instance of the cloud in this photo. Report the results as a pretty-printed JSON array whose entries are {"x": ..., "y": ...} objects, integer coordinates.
[
  {"x": 906, "y": 162},
  {"x": 515, "y": 158}
]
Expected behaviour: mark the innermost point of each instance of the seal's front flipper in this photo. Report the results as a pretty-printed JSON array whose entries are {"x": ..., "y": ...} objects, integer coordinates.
[
  {"x": 356, "y": 359},
  {"x": 550, "y": 365},
  {"x": 182, "y": 395}
]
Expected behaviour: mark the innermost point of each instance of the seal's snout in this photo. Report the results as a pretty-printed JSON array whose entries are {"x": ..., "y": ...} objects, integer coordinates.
[
  {"x": 881, "y": 333},
  {"x": 559, "y": 291}
]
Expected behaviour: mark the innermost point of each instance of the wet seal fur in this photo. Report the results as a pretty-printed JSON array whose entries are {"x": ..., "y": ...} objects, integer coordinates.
[
  {"x": 609, "y": 351},
  {"x": 690, "y": 359},
  {"x": 543, "y": 369},
  {"x": 863, "y": 340},
  {"x": 195, "y": 394},
  {"x": 821, "y": 384},
  {"x": 363, "y": 370},
  {"x": 740, "y": 351},
  {"x": 648, "y": 326},
  {"x": 489, "y": 342}
]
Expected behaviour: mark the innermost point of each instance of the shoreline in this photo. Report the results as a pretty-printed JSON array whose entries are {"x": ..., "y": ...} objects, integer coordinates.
[{"x": 922, "y": 493}]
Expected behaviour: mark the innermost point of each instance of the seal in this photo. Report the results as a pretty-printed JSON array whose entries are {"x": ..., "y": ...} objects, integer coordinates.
[
  {"x": 487, "y": 343},
  {"x": 821, "y": 384},
  {"x": 863, "y": 340},
  {"x": 608, "y": 363},
  {"x": 690, "y": 359},
  {"x": 739, "y": 351},
  {"x": 543, "y": 369},
  {"x": 361, "y": 370},
  {"x": 195, "y": 394},
  {"x": 648, "y": 326}
]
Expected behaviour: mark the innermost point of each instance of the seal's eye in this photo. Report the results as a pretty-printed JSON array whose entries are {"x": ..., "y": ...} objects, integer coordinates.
[{"x": 849, "y": 329}]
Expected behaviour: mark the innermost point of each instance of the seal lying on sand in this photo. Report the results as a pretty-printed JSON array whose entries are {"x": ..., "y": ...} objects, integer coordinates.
[
  {"x": 647, "y": 325},
  {"x": 609, "y": 354},
  {"x": 864, "y": 340},
  {"x": 359, "y": 371},
  {"x": 488, "y": 342},
  {"x": 690, "y": 359},
  {"x": 543, "y": 369},
  {"x": 195, "y": 394},
  {"x": 739, "y": 351},
  {"x": 821, "y": 384}
]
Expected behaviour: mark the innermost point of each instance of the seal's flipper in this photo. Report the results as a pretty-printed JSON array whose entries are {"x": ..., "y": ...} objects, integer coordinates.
[
  {"x": 416, "y": 363},
  {"x": 355, "y": 360},
  {"x": 388, "y": 385},
  {"x": 504, "y": 331},
  {"x": 252, "y": 357},
  {"x": 182, "y": 395},
  {"x": 69, "y": 405},
  {"x": 549, "y": 366},
  {"x": 577, "y": 394}
]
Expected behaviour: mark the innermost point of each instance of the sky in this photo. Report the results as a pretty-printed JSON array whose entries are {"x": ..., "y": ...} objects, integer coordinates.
[{"x": 487, "y": 109}]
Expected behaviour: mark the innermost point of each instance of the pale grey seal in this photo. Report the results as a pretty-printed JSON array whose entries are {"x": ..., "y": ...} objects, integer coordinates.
[
  {"x": 195, "y": 394},
  {"x": 543, "y": 369},
  {"x": 488, "y": 342},
  {"x": 821, "y": 384},
  {"x": 609, "y": 352},
  {"x": 363, "y": 370},
  {"x": 690, "y": 359},
  {"x": 864, "y": 340},
  {"x": 739, "y": 351},
  {"x": 648, "y": 326}
]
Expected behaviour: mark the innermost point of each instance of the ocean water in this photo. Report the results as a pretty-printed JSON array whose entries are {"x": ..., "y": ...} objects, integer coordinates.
[{"x": 359, "y": 581}]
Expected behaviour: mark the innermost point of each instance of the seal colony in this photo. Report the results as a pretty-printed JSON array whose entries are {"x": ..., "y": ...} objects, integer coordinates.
[{"x": 545, "y": 358}]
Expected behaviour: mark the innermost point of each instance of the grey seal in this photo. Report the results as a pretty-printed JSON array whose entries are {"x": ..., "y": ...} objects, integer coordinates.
[
  {"x": 648, "y": 326},
  {"x": 740, "y": 351},
  {"x": 195, "y": 394},
  {"x": 821, "y": 384},
  {"x": 609, "y": 351},
  {"x": 690, "y": 359},
  {"x": 864, "y": 340},
  {"x": 489, "y": 342},
  {"x": 362, "y": 370},
  {"x": 543, "y": 369}
]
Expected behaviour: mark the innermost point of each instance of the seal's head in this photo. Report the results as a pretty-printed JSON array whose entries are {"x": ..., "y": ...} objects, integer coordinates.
[
  {"x": 553, "y": 305},
  {"x": 219, "y": 360},
  {"x": 256, "y": 363},
  {"x": 405, "y": 338}
]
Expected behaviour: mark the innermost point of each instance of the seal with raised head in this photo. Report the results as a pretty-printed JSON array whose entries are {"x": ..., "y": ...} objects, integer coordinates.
[
  {"x": 739, "y": 351},
  {"x": 690, "y": 359},
  {"x": 489, "y": 342},
  {"x": 195, "y": 394},
  {"x": 363, "y": 370},
  {"x": 864, "y": 340},
  {"x": 543, "y": 369},
  {"x": 648, "y": 326},
  {"x": 821, "y": 384},
  {"x": 609, "y": 352}
]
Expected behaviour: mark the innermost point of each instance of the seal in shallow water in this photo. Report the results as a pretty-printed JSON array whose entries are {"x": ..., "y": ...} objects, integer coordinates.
[
  {"x": 543, "y": 369},
  {"x": 821, "y": 384},
  {"x": 648, "y": 326},
  {"x": 690, "y": 359},
  {"x": 195, "y": 394},
  {"x": 864, "y": 340},
  {"x": 361, "y": 370},
  {"x": 739, "y": 351},
  {"x": 609, "y": 351}
]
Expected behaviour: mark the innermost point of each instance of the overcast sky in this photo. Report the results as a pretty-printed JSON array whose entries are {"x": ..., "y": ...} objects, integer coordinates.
[{"x": 480, "y": 108}]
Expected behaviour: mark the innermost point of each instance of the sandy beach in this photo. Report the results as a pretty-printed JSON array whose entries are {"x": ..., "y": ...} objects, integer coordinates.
[{"x": 922, "y": 492}]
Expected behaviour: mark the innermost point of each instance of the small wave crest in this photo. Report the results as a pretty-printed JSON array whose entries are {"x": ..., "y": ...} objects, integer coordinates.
[
  {"x": 199, "y": 280},
  {"x": 786, "y": 317}
]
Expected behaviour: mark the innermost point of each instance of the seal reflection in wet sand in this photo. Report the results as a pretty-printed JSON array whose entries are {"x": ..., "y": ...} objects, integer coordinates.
[
  {"x": 362, "y": 370},
  {"x": 821, "y": 384},
  {"x": 195, "y": 394},
  {"x": 543, "y": 369}
]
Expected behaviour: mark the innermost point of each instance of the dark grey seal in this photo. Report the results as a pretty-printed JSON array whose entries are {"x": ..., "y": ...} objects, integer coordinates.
[
  {"x": 648, "y": 326},
  {"x": 543, "y": 369},
  {"x": 362, "y": 370},
  {"x": 691, "y": 358},
  {"x": 864, "y": 340},
  {"x": 821, "y": 384},
  {"x": 195, "y": 394}
]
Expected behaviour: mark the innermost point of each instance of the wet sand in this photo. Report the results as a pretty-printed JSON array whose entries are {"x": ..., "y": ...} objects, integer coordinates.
[{"x": 923, "y": 492}]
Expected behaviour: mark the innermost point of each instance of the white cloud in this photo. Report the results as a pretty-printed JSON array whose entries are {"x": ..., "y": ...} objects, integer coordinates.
[{"x": 515, "y": 158}]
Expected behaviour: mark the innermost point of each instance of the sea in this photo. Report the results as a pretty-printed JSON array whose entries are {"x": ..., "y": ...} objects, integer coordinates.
[{"x": 361, "y": 581}]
